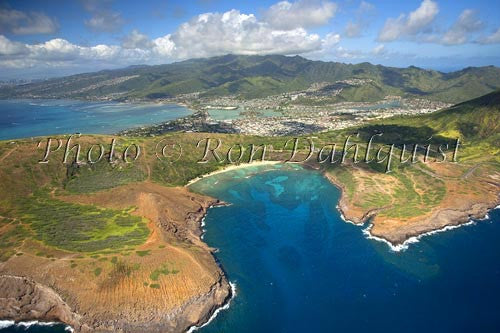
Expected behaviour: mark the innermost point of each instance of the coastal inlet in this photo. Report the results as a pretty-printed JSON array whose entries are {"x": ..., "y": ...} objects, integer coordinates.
[{"x": 299, "y": 267}]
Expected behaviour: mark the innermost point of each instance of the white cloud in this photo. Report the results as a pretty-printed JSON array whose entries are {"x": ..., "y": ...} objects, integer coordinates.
[
  {"x": 362, "y": 15},
  {"x": 164, "y": 46},
  {"x": 205, "y": 35},
  {"x": 26, "y": 23},
  {"x": 409, "y": 25},
  {"x": 329, "y": 48},
  {"x": 353, "y": 29},
  {"x": 105, "y": 22},
  {"x": 416, "y": 26},
  {"x": 10, "y": 48},
  {"x": 379, "y": 49},
  {"x": 136, "y": 40},
  {"x": 61, "y": 53},
  {"x": 300, "y": 14},
  {"x": 494, "y": 38},
  {"x": 212, "y": 34},
  {"x": 366, "y": 7},
  {"x": 466, "y": 23},
  {"x": 95, "y": 5},
  {"x": 330, "y": 40},
  {"x": 345, "y": 54},
  {"x": 103, "y": 18}
]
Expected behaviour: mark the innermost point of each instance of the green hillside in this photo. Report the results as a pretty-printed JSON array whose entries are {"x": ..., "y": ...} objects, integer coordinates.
[
  {"x": 476, "y": 123},
  {"x": 477, "y": 119},
  {"x": 260, "y": 76}
]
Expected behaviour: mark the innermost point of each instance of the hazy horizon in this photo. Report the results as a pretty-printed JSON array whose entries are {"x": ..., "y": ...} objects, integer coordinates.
[{"x": 64, "y": 73}]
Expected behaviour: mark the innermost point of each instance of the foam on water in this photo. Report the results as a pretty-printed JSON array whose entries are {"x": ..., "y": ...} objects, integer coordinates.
[
  {"x": 30, "y": 324},
  {"x": 216, "y": 312},
  {"x": 415, "y": 239},
  {"x": 301, "y": 268},
  {"x": 6, "y": 323}
]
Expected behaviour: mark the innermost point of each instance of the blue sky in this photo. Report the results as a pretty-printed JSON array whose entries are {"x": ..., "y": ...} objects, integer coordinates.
[{"x": 52, "y": 38}]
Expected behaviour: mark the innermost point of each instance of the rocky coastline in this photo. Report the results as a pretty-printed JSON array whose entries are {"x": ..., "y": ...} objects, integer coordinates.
[
  {"x": 24, "y": 299},
  {"x": 440, "y": 219}
]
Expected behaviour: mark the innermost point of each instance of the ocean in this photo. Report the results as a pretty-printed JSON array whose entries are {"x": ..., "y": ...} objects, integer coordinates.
[
  {"x": 32, "y": 327},
  {"x": 28, "y": 118},
  {"x": 298, "y": 267}
]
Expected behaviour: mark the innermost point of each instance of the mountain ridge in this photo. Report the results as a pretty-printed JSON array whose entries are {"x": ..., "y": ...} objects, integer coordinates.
[{"x": 260, "y": 76}]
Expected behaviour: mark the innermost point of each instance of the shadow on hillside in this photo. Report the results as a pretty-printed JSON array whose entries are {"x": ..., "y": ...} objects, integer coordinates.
[{"x": 399, "y": 134}]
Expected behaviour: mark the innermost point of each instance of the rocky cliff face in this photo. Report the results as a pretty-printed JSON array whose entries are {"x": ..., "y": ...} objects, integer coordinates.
[{"x": 24, "y": 299}]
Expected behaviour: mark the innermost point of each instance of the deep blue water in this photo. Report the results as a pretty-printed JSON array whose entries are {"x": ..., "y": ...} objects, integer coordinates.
[
  {"x": 27, "y": 118},
  {"x": 299, "y": 268}
]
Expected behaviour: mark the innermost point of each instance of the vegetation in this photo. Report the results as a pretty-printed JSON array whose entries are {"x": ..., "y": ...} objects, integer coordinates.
[
  {"x": 412, "y": 190},
  {"x": 143, "y": 253},
  {"x": 408, "y": 191},
  {"x": 68, "y": 243},
  {"x": 120, "y": 270},
  {"x": 80, "y": 228},
  {"x": 11, "y": 237},
  {"x": 259, "y": 76},
  {"x": 100, "y": 176},
  {"x": 163, "y": 270}
]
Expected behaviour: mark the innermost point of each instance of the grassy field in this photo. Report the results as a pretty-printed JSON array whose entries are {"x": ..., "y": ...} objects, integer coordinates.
[{"x": 80, "y": 228}]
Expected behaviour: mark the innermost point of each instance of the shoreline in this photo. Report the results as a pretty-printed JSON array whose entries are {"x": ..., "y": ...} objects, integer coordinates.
[
  {"x": 217, "y": 310},
  {"x": 399, "y": 247},
  {"x": 26, "y": 302},
  {"x": 412, "y": 239},
  {"x": 231, "y": 167},
  {"x": 394, "y": 246},
  {"x": 213, "y": 309},
  {"x": 27, "y": 324},
  {"x": 201, "y": 224},
  {"x": 204, "y": 306}
]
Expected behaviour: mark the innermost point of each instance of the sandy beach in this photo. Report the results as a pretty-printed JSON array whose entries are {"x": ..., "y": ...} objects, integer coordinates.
[{"x": 232, "y": 167}]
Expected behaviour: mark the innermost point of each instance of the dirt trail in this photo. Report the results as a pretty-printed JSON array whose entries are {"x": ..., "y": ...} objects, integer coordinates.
[
  {"x": 7, "y": 154},
  {"x": 471, "y": 171},
  {"x": 150, "y": 206},
  {"x": 430, "y": 173}
]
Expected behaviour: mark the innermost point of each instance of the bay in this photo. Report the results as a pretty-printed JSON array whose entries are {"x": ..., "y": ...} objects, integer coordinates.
[
  {"x": 298, "y": 267},
  {"x": 30, "y": 118}
]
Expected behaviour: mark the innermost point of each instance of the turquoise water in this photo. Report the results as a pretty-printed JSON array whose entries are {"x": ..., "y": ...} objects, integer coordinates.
[
  {"x": 299, "y": 268},
  {"x": 27, "y": 118}
]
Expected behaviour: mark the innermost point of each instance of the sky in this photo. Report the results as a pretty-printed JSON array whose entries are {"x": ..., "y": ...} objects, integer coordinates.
[{"x": 40, "y": 39}]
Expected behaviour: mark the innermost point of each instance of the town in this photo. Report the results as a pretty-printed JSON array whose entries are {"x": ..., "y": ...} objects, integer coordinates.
[{"x": 315, "y": 109}]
